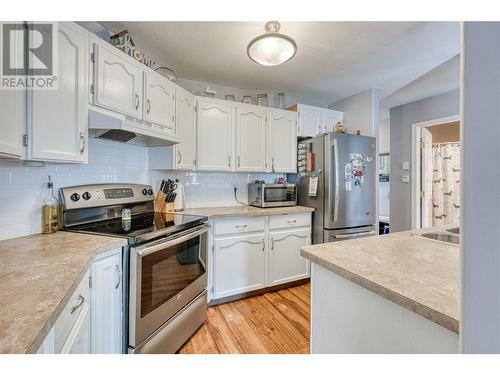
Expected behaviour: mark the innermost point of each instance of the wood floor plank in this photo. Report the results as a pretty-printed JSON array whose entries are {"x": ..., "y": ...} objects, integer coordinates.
[
  {"x": 275, "y": 322},
  {"x": 302, "y": 294},
  {"x": 299, "y": 321},
  {"x": 295, "y": 302},
  {"x": 245, "y": 334},
  {"x": 221, "y": 333},
  {"x": 201, "y": 342}
]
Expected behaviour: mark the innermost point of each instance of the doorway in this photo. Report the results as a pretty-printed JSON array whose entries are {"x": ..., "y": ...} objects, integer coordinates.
[{"x": 436, "y": 180}]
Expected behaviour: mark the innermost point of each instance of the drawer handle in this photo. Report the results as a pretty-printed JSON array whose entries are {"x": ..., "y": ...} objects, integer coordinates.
[
  {"x": 118, "y": 276},
  {"x": 81, "y": 300},
  {"x": 240, "y": 226},
  {"x": 291, "y": 221}
]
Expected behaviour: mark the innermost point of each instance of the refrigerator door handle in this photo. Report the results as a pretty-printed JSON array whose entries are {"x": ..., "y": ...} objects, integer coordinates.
[
  {"x": 354, "y": 235},
  {"x": 336, "y": 166}
]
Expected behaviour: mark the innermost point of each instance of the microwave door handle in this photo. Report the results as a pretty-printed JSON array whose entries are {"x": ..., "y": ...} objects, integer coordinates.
[
  {"x": 159, "y": 246},
  {"x": 337, "y": 189}
]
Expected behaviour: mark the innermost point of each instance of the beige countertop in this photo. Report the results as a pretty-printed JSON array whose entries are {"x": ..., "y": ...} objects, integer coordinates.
[
  {"x": 220, "y": 212},
  {"x": 419, "y": 274},
  {"x": 38, "y": 274}
]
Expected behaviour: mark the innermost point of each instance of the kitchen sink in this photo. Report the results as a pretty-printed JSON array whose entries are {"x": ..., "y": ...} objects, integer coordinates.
[
  {"x": 454, "y": 230},
  {"x": 442, "y": 236}
]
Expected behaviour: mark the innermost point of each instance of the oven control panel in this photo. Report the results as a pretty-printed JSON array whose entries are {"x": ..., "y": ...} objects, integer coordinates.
[{"x": 88, "y": 196}]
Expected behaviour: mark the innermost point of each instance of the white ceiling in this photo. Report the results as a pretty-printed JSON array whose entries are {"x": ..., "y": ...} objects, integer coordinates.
[{"x": 334, "y": 59}]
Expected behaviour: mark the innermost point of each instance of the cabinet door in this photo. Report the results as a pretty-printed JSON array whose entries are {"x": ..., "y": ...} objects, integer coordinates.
[
  {"x": 117, "y": 81},
  {"x": 250, "y": 138},
  {"x": 59, "y": 118},
  {"x": 239, "y": 265},
  {"x": 214, "y": 131},
  {"x": 285, "y": 262},
  {"x": 283, "y": 141},
  {"x": 159, "y": 96},
  {"x": 186, "y": 125},
  {"x": 310, "y": 120},
  {"x": 12, "y": 108},
  {"x": 330, "y": 119},
  {"x": 78, "y": 341},
  {"x": 106, "y": 305}
]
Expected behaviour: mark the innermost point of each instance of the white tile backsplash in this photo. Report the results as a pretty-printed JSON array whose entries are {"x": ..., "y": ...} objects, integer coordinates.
[
  {"x": 22, "y": 187},
  {"x": 212, "y": 189}
]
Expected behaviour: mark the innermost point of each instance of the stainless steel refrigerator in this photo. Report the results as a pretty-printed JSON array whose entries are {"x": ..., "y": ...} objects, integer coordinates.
[{"x": 340, "y": 185}]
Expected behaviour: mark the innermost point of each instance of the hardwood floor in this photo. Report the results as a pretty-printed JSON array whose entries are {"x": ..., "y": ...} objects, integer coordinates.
[{"x": 275, "y": 322}]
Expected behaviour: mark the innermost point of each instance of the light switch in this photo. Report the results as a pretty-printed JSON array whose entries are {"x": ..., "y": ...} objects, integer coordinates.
[
  {"x": 406, "y": 165},
  {"x": 406, "y": 178}
]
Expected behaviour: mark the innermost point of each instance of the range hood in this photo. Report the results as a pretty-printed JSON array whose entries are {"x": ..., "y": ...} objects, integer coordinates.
[{"x": 116, "y": 127}]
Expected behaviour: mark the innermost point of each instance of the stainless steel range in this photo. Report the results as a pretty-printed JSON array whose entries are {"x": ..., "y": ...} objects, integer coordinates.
[{"x": 164, "y": 278}]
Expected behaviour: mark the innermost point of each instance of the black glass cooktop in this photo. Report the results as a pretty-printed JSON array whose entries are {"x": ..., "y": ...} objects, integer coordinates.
[{"x": 143, "y": 224}]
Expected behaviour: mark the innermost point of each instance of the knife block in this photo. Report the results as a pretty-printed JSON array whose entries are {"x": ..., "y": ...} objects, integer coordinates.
[{"x": 161, "y": 206}]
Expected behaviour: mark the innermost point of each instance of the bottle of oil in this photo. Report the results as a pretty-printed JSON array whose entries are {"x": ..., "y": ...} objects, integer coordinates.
[{"x": 50, "y": 211}]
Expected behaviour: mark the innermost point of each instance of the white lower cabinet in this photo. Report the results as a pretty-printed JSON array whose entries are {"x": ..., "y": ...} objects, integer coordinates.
[
  {"x": 285, "y": 262},
  {"x": 91, "y": 320},
  {"x": 78, "y": 341},
  {"x": 240, "y": 264},
  {"x": 252, "y": 253},
  {"x": 106, "y": 307}
]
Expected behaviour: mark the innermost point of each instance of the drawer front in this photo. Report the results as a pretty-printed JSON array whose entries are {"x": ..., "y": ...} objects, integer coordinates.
[
  {"x": 240, "y": 225},
  {"x": 70, "y": 313},
  {"x": 292, "y": 220}
]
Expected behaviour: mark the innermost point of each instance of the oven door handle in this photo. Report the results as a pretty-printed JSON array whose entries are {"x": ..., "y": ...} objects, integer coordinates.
[{"x": 159, "y": 246}]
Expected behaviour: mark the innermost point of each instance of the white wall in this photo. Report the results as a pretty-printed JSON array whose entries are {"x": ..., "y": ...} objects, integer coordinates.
[
  {"x": 480, "y": 226},
  {"x": 23, "y": 188},
  {"x": 361, "y": 111}
]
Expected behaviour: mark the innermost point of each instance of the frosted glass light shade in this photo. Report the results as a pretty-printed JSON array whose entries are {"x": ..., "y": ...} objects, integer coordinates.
[{"x": 272, "y": 48}]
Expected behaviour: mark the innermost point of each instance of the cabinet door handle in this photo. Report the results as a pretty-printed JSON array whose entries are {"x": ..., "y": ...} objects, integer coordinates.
[
  {"x": 180, "y": 156},
  {"x": 239, "y": 161},
  {"x": 118, "y": 276},
  {"x": 136, "y": 101},
  {"x": 263, "y": 245},
  {"x": 272, "y": 165},
  {"x": 148, "y": 106},
  {"x": 81, "y": 300},
  {"x": 272, "y": 244},
  {"x": 229, "y": 160},
  {"x": 82, "y": 143}
]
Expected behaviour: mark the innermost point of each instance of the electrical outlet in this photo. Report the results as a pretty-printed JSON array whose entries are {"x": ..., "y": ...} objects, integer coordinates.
[{"x": 406, "y": 178}]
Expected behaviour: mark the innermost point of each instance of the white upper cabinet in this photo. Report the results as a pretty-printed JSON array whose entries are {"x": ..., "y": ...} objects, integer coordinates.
[
  {"x": 159, "y": 97},
  {"x": 12, "y": 108},
  {"x": 282, "y": 141},
  {"x": 106, "y": 302},
  {"x": 285, "y": 262},
  {"x": 315, "y": 120},
  {"x": 330, "y": 119},
  {"x": 215, "y": 134},
  {"x": 310, "y": 121},
  {"x": 117, "y": 81},
  {"x": 58, "y": 119},
  {"x": 186, "y": 124},
  {"x": 251, "y": 129}
]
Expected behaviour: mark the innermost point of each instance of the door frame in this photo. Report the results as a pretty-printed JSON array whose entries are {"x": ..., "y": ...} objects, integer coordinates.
[{"x": 415, "y": 162}]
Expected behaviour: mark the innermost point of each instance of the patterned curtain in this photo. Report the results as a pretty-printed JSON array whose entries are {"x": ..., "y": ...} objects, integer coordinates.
[{"x": 446, "y": 183}]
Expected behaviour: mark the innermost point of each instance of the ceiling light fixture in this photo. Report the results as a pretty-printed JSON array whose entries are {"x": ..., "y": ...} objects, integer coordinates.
[{"x": 271, "y": 48}]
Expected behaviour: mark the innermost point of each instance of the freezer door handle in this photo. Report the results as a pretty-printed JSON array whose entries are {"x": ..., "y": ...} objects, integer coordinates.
[
  {"x": 336, "y": 166},
  {"x": 353, "y": 235}
]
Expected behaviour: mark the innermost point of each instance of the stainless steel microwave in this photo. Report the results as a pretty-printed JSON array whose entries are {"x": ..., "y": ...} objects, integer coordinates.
[{"x": 272, "y": 195}]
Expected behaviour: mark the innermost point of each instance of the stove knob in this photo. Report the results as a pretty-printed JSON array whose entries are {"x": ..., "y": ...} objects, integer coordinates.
[
  {"x": 150, "y": 191},
  {"x": 86, "y": 196},
  {"x": 75, "y": 197},
  {"x": 144, "y": 191}
]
